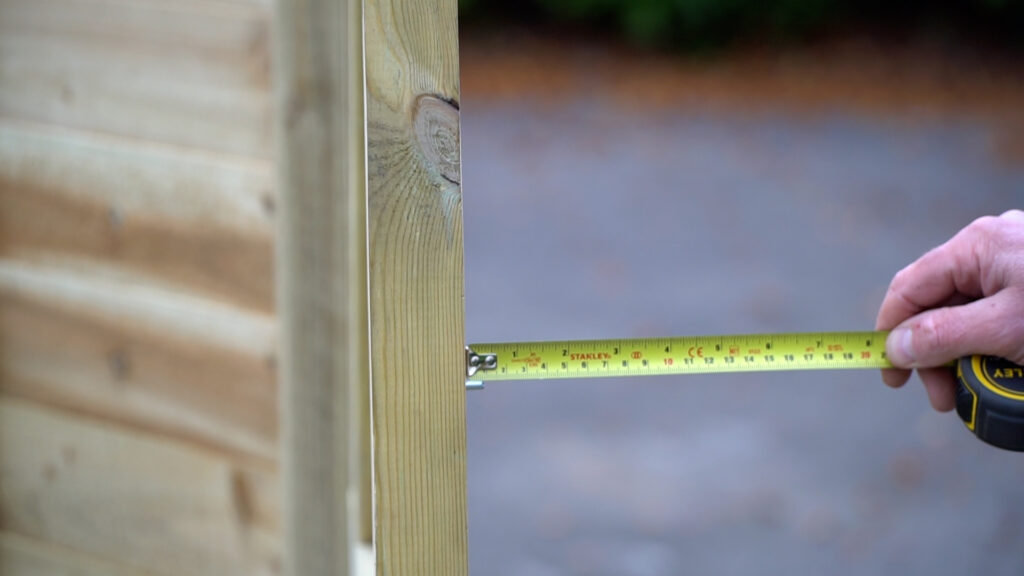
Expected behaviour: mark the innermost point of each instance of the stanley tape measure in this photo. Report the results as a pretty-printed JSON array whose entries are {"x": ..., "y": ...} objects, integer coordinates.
[{"x": 989, "y": 398}]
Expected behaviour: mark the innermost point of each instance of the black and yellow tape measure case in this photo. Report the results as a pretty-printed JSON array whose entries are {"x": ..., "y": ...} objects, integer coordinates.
[{"x": 990, "y": 400}]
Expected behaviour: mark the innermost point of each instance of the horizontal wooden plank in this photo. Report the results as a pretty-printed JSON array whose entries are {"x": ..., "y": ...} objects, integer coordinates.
[
  {"x": 89, "y": 340},
  {"x": 202, "y": 221},
  {"x": 182, "y": 185},
  {"x": 136, "y": 500},
  {"x": 193, "y": 73},
  {"x": 23, "y": 556},
  {"x": 161, "y": 309}
]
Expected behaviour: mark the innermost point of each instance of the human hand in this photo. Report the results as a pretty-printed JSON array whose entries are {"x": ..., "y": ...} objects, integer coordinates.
[{"x": 964, "y": 297}]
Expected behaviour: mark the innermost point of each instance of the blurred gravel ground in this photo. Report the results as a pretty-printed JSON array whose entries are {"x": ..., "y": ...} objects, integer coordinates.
[{"x": 587, "y": 220}]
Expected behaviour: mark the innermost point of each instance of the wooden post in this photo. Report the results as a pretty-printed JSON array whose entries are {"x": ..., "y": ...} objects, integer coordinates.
[
  {"x": 416, "y": 286},
  {"x": 398, "y": 227},
  {"x": 321, "y": 271}
]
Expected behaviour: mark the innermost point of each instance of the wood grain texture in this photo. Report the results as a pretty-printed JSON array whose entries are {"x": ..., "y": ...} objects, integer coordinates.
[
  {"x": 143, "y": 502},
  {"x": 23, "y": 556},
  {"x": 416, "y": 286},
  {"x": 138, "y": 423},
  {"x": 319, "y": 281},
  {"x": 193, "y": 73},
  {"x": 200, "y": 222},
  {"x": 90, "y": 340}
]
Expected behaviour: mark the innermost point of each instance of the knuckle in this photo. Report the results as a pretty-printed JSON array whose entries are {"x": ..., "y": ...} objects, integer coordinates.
[
  {"x": 983, "y": 233},
  {"x": 907, "y": 276},
  {"x": 1014, "y": 352},
  {"x": 998, "y": 232},
  {"x": 899, "y": 280},
  {"x": 1012, "y": 214},
  {"x": 1013, "y": 336},
  {"x": 927, "y": 337},
  {"x": 981, "y": 243},
  {"x": 895, "y": 307},
  {"x": 936, "y": 335},
  {"x": 986, "y": 225},
  {"x": 1004, "y": 324}
]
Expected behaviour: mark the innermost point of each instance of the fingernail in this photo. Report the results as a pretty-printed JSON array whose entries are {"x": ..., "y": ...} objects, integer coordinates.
[{"x": 900, "y": 346}]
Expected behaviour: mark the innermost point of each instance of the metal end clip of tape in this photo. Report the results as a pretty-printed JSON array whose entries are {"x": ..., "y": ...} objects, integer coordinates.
[{"x": 475, "y": 363}]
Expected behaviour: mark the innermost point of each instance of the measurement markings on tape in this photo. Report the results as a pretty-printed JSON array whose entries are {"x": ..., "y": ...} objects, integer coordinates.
[
  {"x": 989, "y": 394},
  {"x": 682, "y": 355}
]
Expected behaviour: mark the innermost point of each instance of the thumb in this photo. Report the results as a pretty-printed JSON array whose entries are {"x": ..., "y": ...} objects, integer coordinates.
[{"x": 992, "y": 326}]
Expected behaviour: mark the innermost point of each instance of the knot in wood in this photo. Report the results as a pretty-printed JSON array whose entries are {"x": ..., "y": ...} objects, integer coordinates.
[{"x": 436, "y": 123}]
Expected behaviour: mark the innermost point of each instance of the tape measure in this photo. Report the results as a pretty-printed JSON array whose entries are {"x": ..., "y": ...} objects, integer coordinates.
[
  {"x": 990, "y": 400},
  {"x": 990, "y": 396}
]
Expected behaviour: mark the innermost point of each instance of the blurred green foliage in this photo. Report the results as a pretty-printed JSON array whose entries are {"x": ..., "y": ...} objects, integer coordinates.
[{"x": 709, "y": 23}]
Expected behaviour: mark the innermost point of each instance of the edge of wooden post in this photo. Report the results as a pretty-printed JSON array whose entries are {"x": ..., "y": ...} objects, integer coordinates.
[{"x": 361, "y": 479}]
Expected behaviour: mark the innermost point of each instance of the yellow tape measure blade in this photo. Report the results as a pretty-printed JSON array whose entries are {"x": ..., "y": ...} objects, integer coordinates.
[{"x": 680, "y": 355}]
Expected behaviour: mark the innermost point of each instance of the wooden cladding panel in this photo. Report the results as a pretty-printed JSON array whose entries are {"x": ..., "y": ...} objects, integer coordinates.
[
  {"x": 151, "y": 504},
  {"x": 138, "y": 423},
  {"x": 149, "y": 358},
  {"x": 198, "y": 222},
  {"x": 23, "y": 556},
  {"x": 191, "y": 73}
]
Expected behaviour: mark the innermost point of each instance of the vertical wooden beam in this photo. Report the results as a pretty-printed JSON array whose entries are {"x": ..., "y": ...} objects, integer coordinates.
[
  {"x": 321, "y": 281},
  {"x": 416, "y": 286}
]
